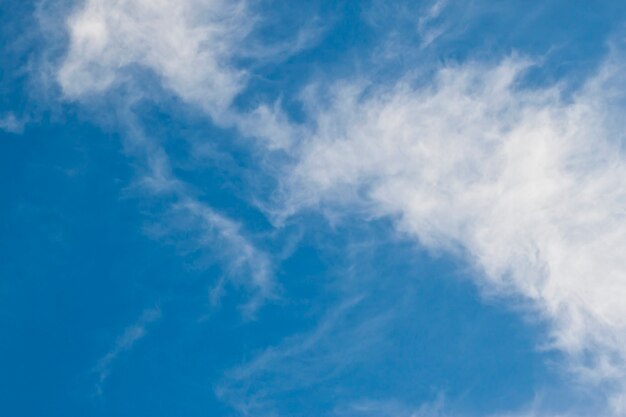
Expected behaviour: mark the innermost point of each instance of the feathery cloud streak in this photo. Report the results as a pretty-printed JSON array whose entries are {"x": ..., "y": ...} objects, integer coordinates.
[{"x": 125, "y": 342}]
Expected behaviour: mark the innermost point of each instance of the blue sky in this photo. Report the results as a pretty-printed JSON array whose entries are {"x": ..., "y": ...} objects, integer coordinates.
[{"x": 322, "y": 208}]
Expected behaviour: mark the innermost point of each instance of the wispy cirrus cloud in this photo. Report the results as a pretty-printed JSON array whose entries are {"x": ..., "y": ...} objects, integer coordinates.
[
  {"x": 11, "y": 123},
  {"x": 125, "y": 342},
  {"x": 220, "y": 238},
  {"x": 215, "y": 238},
  {"x": 303, "y": 361},
  {"x": 373, "y": 408}
]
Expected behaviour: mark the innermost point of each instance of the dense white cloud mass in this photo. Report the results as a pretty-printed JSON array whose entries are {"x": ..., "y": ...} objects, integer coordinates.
[
  {"x": 188, "y": 43},
  {"x": 191, "y": 45},
  {"x": 527, "y": 185}
]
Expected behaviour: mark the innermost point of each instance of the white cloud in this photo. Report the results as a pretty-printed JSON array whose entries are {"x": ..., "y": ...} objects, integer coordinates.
[
  {"x": 303, "y": 361},
  {"x": 204, "y": 227},
  {"x": 188, "y": 43},
  {"x": 246, "y": 264},
  {"x": 191, "y": 45},
  {"x": 125, "y": 342},
  {"x": 527, "y": 185},
  {"x": 426, "y": 27},
  {"x": 375, "y": 408},
  {"x": 10, "y": 123}
]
